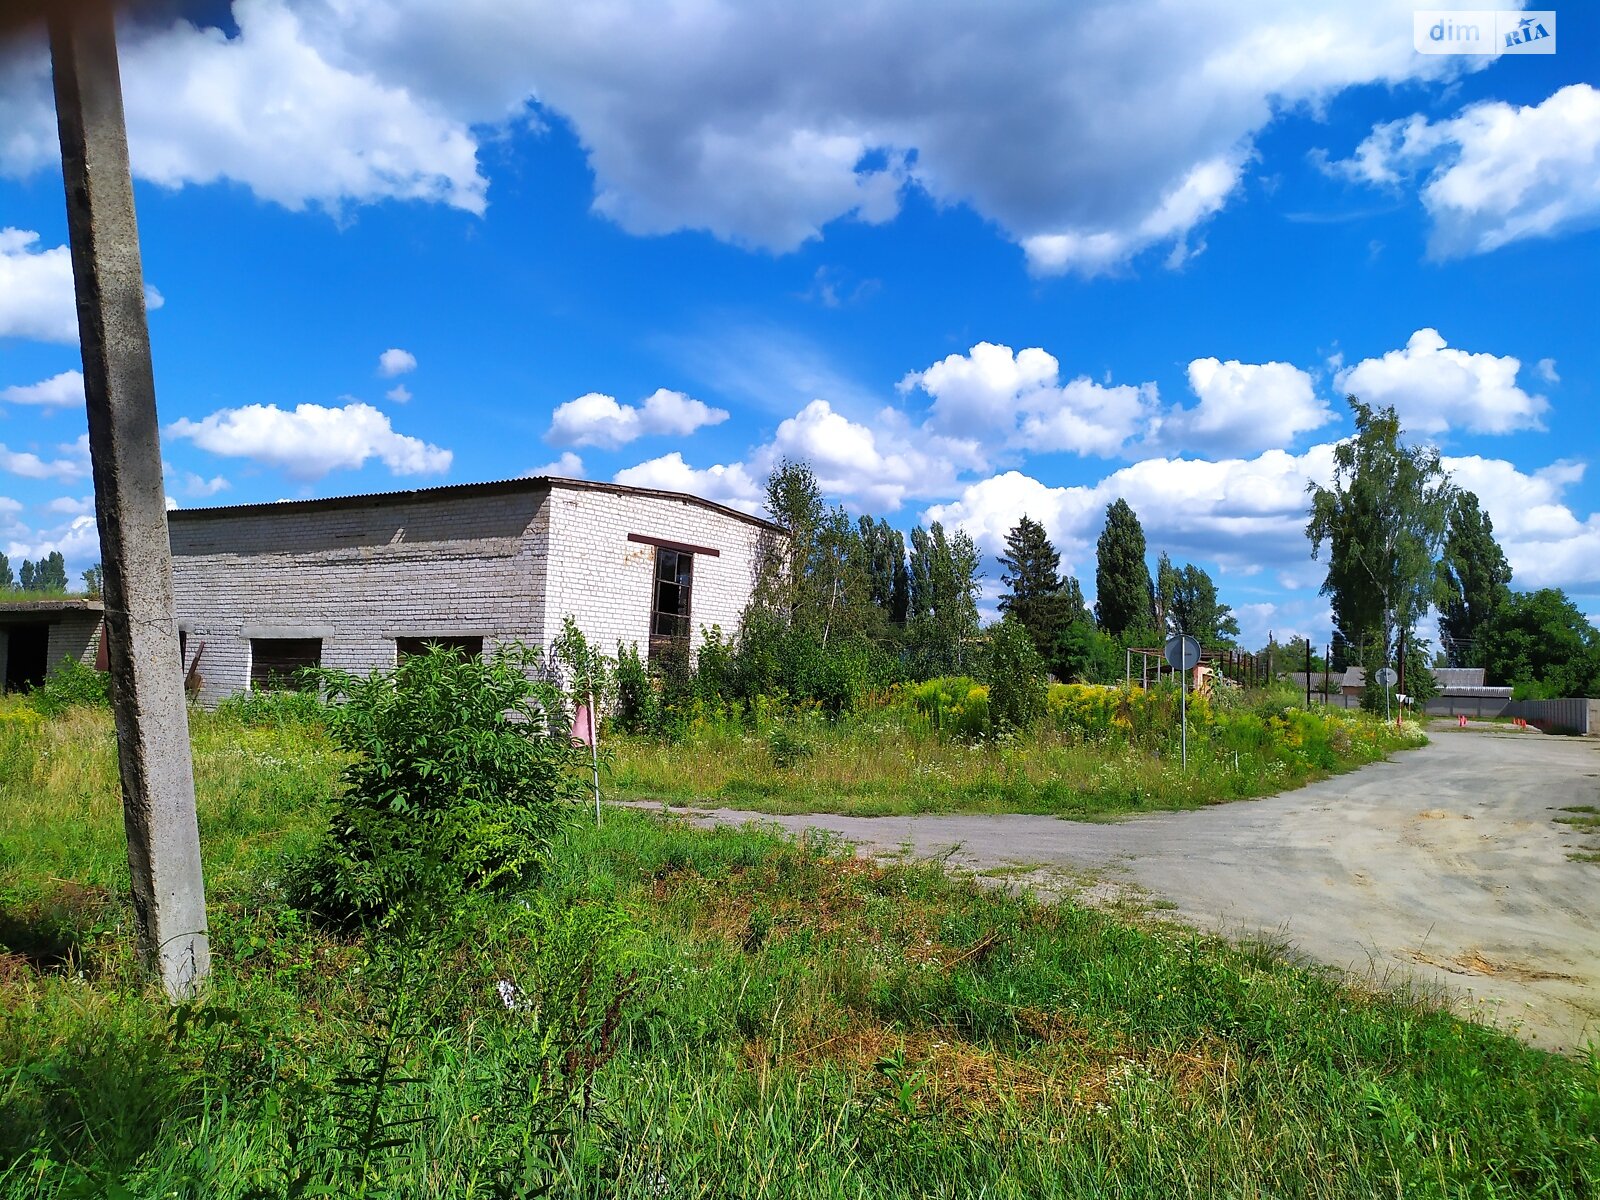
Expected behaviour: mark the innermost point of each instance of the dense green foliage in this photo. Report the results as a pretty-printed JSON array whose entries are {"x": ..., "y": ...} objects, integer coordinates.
[
  {"x": 1382, "y": 522},
  {"x": 682, "y": 1013},
  {"x": 1542, "y": 644},
  {"x": 455, "y": 785},
  {"x": 1017, "y": 677},
  {"x": 1124, "y": 595},
  {"x": 1471, "y": 580},
  {"x": 939, "y": 746},
  {"x": 48, "y": 575},
  {"x": 69, "y": 684}
]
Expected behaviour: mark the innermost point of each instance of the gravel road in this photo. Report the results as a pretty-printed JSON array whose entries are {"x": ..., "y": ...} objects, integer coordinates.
[{"x": 1444, "y": 867}]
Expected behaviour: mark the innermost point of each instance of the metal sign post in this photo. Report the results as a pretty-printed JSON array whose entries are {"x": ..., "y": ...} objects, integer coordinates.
[
  {"x": 1182, "y": 653},
  {"x": 1386, "y": 678}
]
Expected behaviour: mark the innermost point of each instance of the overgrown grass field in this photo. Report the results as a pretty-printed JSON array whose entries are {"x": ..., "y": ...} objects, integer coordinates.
[
  {"x": 1099, "y": 751},
  {"x": 744, "y": 1015}
]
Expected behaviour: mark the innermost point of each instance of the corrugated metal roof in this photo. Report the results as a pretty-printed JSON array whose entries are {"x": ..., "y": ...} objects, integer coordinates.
[{"x": 497, "y": 487}]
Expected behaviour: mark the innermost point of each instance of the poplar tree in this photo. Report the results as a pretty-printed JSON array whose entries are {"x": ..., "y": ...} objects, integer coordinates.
[
  {"x": 1471, "y": 581},
  {"x": 8, "y": 581},
  {"x": 1125, "y": 599},
  {"x": 51, "y": 574}
]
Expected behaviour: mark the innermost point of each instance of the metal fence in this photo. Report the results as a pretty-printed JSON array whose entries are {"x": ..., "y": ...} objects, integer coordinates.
[{"x": 1558, "y": 716}]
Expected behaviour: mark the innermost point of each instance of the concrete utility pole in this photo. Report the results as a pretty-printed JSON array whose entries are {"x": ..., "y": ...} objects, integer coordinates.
[{"x": 125, "y": 447}]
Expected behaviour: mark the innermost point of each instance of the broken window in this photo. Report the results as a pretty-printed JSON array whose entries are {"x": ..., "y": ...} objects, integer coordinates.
[
  {"x": 275, "y": 663},
  {"x": 408, "y": 647},
  {"x": 674, "y": 580}
]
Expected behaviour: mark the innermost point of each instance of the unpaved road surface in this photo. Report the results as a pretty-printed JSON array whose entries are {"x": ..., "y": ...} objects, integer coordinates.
[{"x": 1444, "y": 867}]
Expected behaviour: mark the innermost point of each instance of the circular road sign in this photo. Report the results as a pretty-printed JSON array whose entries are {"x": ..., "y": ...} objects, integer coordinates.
[
  {"x": 1182, "y": 652},
  {"x": 1387, "y": 677}
]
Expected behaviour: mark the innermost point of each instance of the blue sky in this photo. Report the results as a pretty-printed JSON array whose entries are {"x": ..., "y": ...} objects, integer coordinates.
[{"x": 970, "y": 261}]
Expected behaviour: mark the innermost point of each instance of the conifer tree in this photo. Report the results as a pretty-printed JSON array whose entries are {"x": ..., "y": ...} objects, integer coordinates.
[
  {"x": 1124, "y": 596},
  {"x": 1033, "y": 582}
]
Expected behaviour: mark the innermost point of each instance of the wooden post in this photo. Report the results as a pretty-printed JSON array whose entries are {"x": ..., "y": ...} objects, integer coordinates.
[
  {"x": 130, "y": 501},
  {"x": 1308, "y": 673}
]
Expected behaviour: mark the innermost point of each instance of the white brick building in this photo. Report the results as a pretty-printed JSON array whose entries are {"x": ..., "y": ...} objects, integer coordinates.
[
  {"x": 351, "y": 582},
  {"x": 36, "y": 636}
]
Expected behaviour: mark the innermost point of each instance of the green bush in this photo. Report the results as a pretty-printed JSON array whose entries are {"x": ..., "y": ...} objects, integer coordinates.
[
  {"x": 458, "y": 783},
  {"x": 1017, "y": 678},
  {"x": 279, "y": 708},
  {"x": 954, "y": 705},
  {"x": 638, "y": 702},
  {"x": 71, "y": 684}
]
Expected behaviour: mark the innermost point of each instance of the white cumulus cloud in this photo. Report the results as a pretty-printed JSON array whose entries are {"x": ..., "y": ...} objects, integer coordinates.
[
  {"x": 296, "y": 122},
  {"x": 310, "y": 441},
  {"x": 730, "y": 484},
  {"x": 595, "y": 419},
  {"x": 36, "y": 296},
  {"x": 395, "y": 361},
  {"x": 568, "y": 466},
  {"x": 1238, "y": 512},
  {"x": 1435, "y": 388},
  {"x": 1547, "y": 544},
  {"x": 1086, "y": 133},
  {"x": 1497, "y": 173},
  {"x": 59, "y": 391},
  {"x": 73, "y": 463},
  {"x": 994, "y": 395},
  {"x": 1244, "y": 408}
]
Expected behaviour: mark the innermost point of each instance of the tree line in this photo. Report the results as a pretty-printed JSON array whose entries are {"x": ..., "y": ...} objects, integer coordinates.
[
  {"x": 1401, "y": 537},
  {"x": 844, "y": 605},
  {"x": 49, "y": 574}
]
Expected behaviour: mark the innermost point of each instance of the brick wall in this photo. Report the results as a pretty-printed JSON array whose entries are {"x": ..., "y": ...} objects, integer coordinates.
[
  {"x": 606, "y": 583},
  {"x": 505, "y": 567},
  {"x": 358, "y": 577},
  {"x": 74, "y": 633}
]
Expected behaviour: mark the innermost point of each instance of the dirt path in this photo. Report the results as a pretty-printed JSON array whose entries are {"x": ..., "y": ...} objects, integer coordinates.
[{"x": 1445, "y": 867}]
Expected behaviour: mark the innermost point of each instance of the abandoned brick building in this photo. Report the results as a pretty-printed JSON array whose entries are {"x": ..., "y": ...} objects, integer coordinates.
[
  {"x": 354, "y": 582},
  {"x": 36, "y": 636}
]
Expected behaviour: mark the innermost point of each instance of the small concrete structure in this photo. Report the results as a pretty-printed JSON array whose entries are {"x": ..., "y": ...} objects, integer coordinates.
[
  {"x": 354, "y": 582},
  {"x": 36, "y": 636},
  {"x": 1462, "y": 692}
]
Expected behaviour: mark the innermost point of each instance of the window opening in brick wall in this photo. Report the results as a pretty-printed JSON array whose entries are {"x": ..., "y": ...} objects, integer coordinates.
[
  {"x": 670, "y": 610},
  {"x": 274, "y": 662},
  {"x": 408, "y": 647}
]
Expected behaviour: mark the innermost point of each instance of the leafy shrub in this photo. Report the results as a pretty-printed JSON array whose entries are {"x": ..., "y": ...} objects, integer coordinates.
[
  {"x": 954, "y": 705},
  {"x": 788, "y": 746},
  {"x": 638, "y": 702},
  {"x": 588, "y": 672},
  {"x": 71, "y": 684},
  {"x": 278, "y": 708},
  {"x": 460, "y": 770},
  {"x": 1017, "y": 681}
]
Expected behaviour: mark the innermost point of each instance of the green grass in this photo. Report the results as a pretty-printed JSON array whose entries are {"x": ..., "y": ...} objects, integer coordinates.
[
  {"x": 804, "y": 1024},
  {"x": 1584, "y": 820},
  {"x": 881, "y": 763}
]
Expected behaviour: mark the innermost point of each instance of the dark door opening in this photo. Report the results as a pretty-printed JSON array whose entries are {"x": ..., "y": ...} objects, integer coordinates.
[{"x": 27, "y": 646}]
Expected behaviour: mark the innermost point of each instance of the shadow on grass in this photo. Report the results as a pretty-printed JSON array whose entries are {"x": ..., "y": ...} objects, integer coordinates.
[{"x": 51, "y": 933}]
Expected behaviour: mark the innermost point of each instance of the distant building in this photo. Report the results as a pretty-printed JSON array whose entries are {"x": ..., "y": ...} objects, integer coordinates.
[
  {"x": 37, "y": 635},
  {"x": 1461, "y": 692},
  {"x": 355, "y": 582}
]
